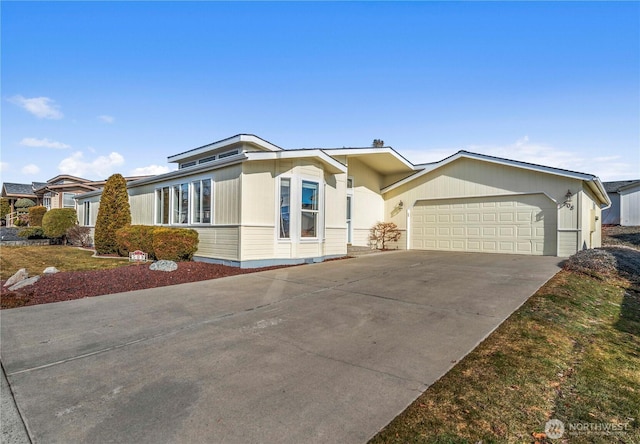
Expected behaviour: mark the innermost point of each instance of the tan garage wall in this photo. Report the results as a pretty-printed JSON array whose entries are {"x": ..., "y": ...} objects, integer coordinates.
[{"x": 474, "y": 178}]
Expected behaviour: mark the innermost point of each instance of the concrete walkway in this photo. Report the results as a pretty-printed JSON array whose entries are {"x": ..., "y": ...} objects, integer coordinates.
[{"x": 321, "y": 353}]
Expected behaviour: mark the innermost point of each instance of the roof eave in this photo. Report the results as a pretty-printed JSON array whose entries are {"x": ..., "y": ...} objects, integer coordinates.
[{"x": 335, "y": 167}]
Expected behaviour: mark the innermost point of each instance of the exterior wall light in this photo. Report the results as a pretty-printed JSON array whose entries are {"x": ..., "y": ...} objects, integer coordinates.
[{"x": 567, "y": 200}]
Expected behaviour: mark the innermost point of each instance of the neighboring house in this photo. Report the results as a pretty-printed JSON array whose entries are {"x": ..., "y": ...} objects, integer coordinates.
[
  {"x": 58, "y": 192},
  {"x": 625, "y": 203},
  {"x": 255, "y": 204},
  {"x": 14, "y": 191}
]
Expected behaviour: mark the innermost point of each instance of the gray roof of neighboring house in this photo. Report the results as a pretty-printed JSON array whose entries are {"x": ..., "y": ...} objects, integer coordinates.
[
  {"x": 614, "y": 187},
  {"x": 18, "y": 188}
]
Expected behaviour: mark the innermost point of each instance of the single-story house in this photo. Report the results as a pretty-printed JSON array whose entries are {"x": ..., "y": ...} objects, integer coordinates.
[
  {"x": 625, "y": 203},
  {"x": 256, "y": 204},
  {"x": 57, "y": 192}
]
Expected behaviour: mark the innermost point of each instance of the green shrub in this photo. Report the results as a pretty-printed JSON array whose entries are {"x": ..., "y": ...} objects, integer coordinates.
[
  {"x": 24, "y": 203},
  {"x": 135, "y": 237},
  {"x": 21, "y": 220},
  {"x": 56, "y": 222},
  {"x": 32, "y": 233},
  {"x": 36, "y": 214},
  {"x": 114, "y": 213},
  {"x": 5, "y": 208},
  {"x": 175, "y": 244}
]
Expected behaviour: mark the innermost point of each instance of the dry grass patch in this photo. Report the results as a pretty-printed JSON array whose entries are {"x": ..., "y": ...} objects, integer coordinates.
[
  {"x": 36, "y": 259},
  {"x": 571, "y": 352}
]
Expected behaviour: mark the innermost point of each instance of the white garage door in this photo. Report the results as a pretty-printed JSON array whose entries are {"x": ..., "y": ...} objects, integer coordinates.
[{"x": 522, "y": 224}]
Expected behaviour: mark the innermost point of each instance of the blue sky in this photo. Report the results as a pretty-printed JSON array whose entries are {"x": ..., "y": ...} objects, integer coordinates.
[{"x": 91, "y": 89}]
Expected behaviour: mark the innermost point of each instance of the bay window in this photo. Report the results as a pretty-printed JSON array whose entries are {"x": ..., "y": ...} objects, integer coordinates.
[{"x": 299, "y": 209}]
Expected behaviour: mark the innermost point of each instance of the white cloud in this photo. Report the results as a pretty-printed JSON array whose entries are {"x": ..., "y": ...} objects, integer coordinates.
[
  {"x": 4, "y": 166},
  {"x": 30, "y": 169},
  {"x": 607, "y": 168},
  {"x": 150, "y": 170},
  {"x": 41, "y": 107},
  {"x": 107, "y": 119},
  {"x": 43, "y": 143},
  {"x": 101, "y": 167}
]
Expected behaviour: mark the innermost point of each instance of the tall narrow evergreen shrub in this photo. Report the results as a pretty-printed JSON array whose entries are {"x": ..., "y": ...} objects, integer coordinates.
[{"x": 114, "y": 213}]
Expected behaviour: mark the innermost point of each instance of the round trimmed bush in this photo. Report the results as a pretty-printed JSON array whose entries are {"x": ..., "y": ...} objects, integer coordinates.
[{"x": 56, "y": 222}]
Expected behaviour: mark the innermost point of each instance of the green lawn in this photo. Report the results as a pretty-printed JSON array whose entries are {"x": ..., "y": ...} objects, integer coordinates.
[
  {"x": 36, "y": 259},
  {"x": 571, "y": 352}
]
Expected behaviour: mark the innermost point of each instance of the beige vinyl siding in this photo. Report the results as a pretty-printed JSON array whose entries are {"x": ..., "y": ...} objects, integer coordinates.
[
  {"x": 474, "y": 178},
  {"x": 260, "y": 211},
  {"x": 226, "y": 200},
  {"x": 94, "y": 205},
  {"x": 218, "y": 242},
  {"x": 335, "y": 242},
  {"x": 367, "y": 204},
  {"x": 590, "y": 220},
  {"x": 142, "y": 203}
]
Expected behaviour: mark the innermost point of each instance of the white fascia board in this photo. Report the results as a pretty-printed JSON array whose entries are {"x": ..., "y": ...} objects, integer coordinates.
[
  {"x": 596, "y": 185},
  {"x": 294, "y": 154},
  {"x": 364, "y": 151},
  {"x": 234, "y": 140},
  {"x": 513, "y": 163},
  {"x": 209, "y": 166}
]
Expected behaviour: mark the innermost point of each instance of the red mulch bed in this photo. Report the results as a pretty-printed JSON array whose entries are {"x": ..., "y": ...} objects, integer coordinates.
[{"x": 69, "y": 285}]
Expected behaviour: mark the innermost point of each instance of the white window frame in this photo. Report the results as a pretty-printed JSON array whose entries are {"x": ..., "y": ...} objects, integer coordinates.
[
  {"x": 279, "y": 208},
  {"x": 178, "y": 210},
  {"x": 172, "y": 205},
  {"x": 86, "y": 214},
  {"x": 295, "y": 209},
  {"x": 159, "y": 205},
  {"x": 65, "y": 193},
  {"x": 192, "y": 196}
]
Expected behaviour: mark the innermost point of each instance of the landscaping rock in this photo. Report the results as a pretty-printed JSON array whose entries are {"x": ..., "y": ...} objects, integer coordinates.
[
  {"x": 24, "y": 283},
  {"x": 163, "y": 265},
  {"x": 20, "y": 275},
  {"x": 51, "y": 270}
]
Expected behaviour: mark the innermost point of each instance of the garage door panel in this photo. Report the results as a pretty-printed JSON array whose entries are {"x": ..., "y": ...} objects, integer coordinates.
[{"x": 524, "y": 224}]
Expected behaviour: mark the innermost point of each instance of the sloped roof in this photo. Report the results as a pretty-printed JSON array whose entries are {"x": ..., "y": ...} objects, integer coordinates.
[
  {"x": 18, "y": 188},
  {"x": 428, "y": 167},
  {"x": 614, "y": 187}
]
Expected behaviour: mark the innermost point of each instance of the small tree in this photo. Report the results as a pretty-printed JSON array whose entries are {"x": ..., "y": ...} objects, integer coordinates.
[
  {"x": 5, "y": 208},
  {"x": 114, "y": 213},
  {"x": 56, "y": 222},
  {"x": 384, "y": 232},
  {"x": 24, "y": 203},
  {"x": 36, "y": 214}
]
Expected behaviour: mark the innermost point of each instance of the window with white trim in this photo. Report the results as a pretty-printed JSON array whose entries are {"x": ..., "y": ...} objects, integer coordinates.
[
  {"x": 201, "y": 201},
  {"x": 285, "y": 209},
  {"x": 180, "y": 204},
  {"x": 309, "y": 209},
  {"x": 68, "y": 200},
  {"x": 86, "y": 214},
  {"x": 162, "y": 205}
]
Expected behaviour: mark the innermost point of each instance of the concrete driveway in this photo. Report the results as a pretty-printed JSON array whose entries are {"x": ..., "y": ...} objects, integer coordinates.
[{"x": 321, "y": 353}]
